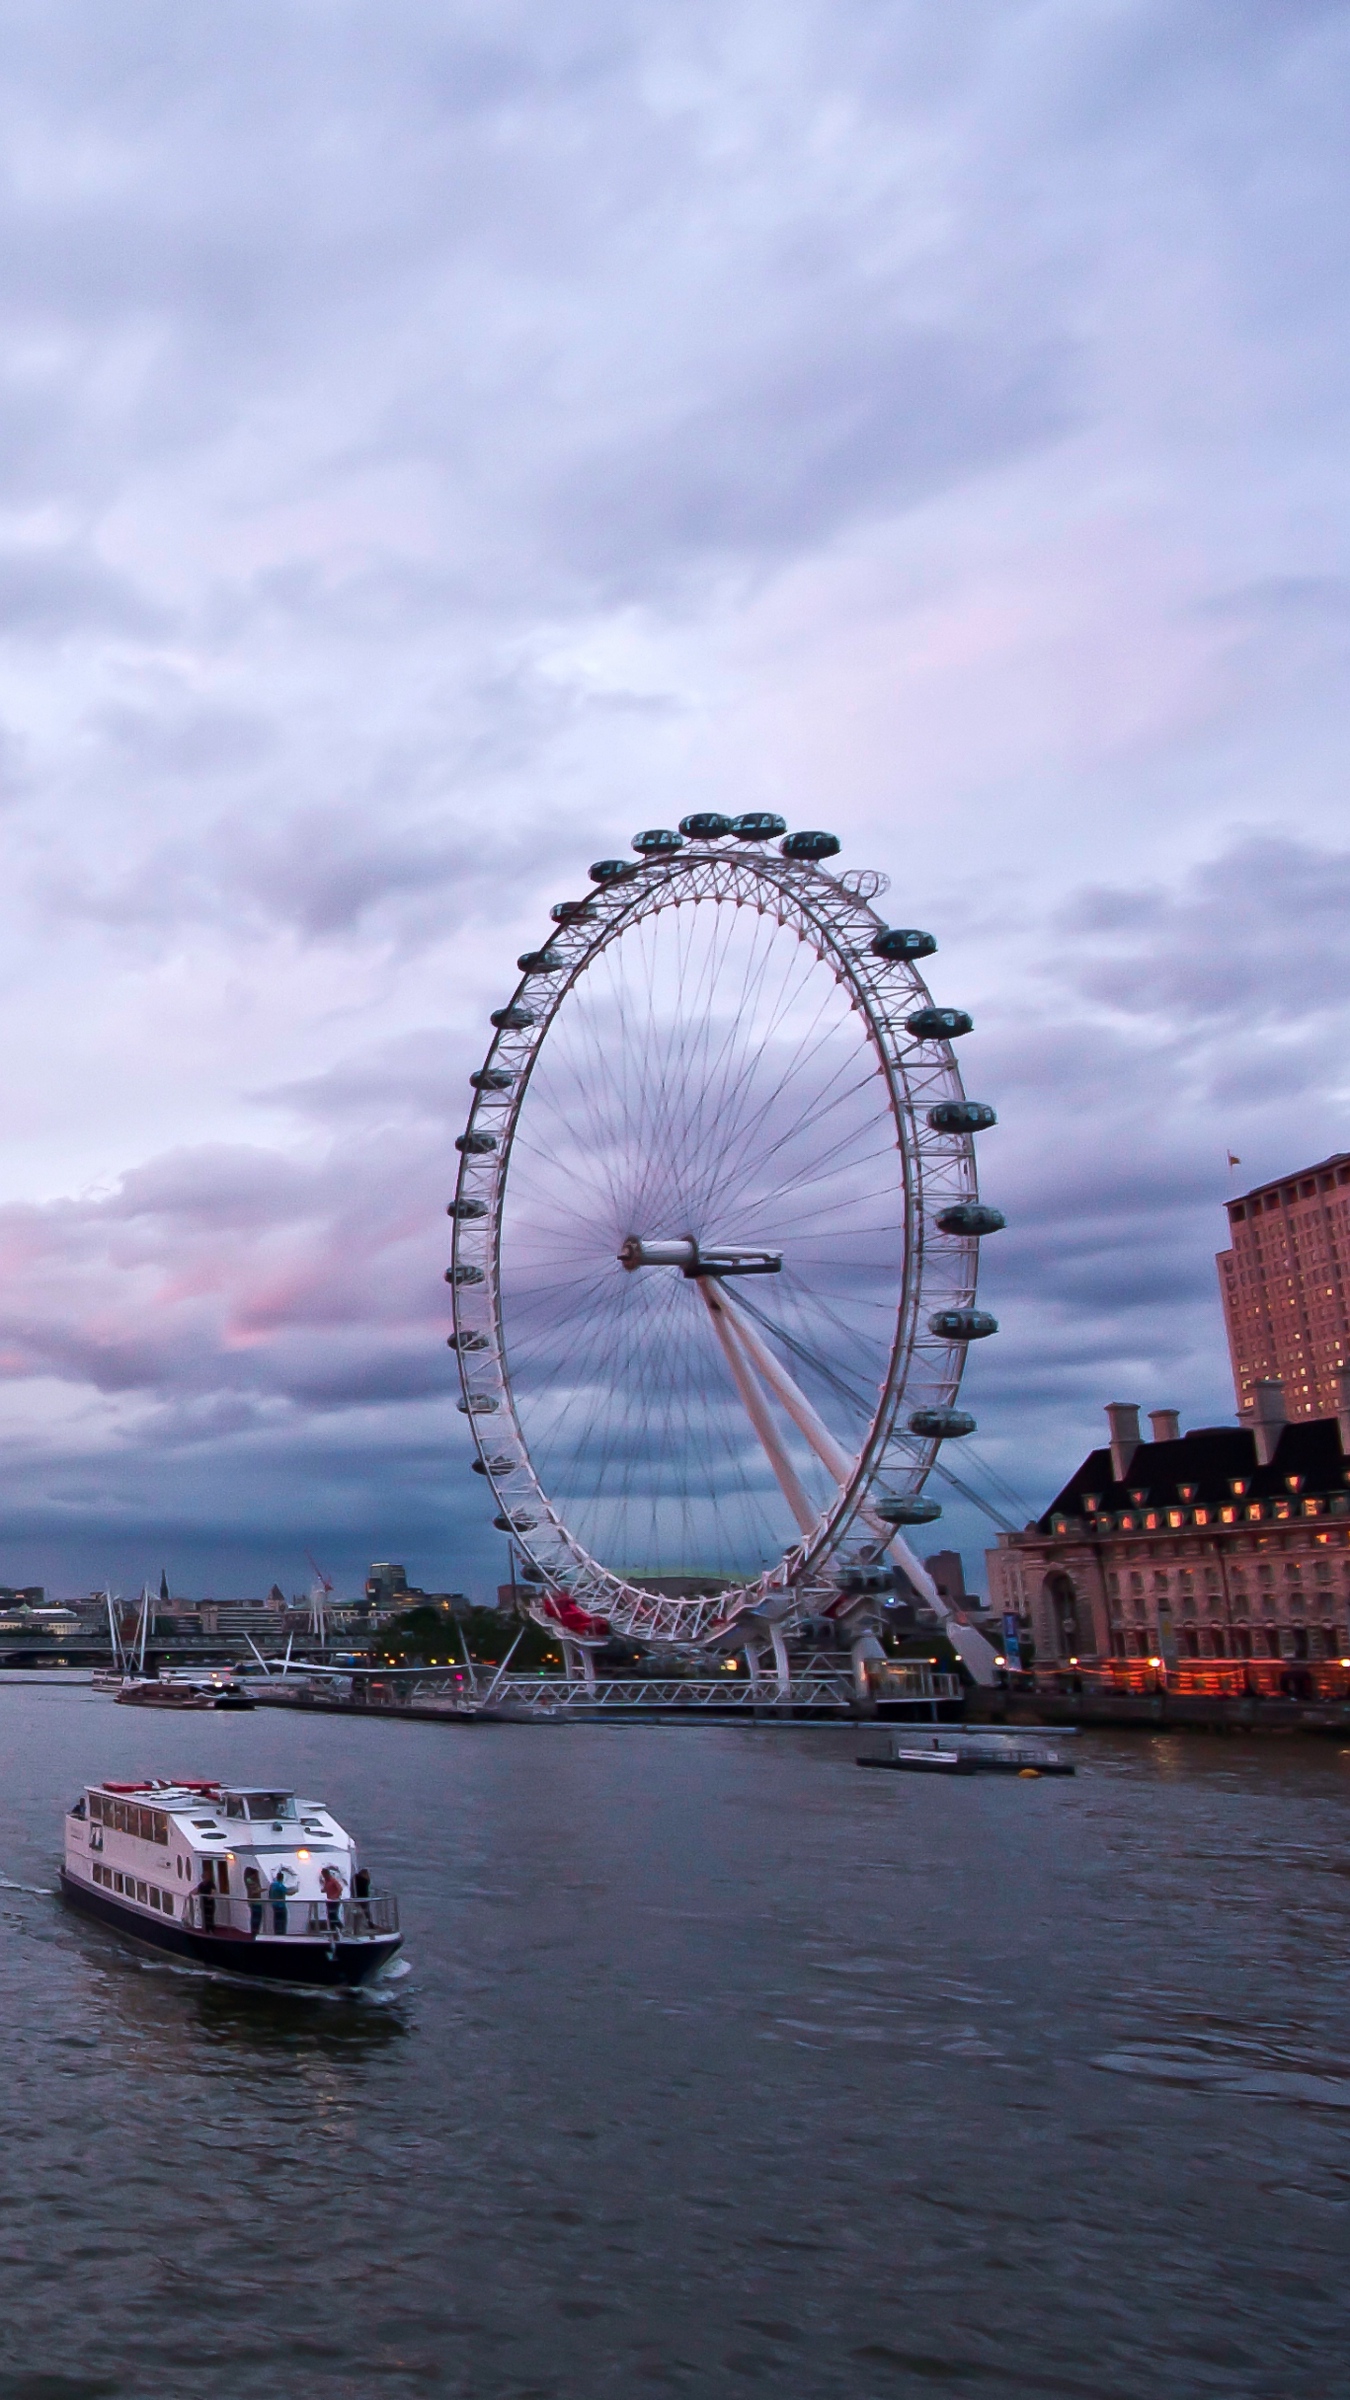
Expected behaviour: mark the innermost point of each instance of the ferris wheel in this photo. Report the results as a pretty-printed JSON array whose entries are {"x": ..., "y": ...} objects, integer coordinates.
[{"x": 716, "y": 1231}]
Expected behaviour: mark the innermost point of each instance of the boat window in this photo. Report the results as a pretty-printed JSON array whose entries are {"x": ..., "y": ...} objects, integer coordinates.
[
  {"x": 271, "y": 1804},
  {"x": 234, "y": 1808},
  {"x": 96, "y": 1807},
  {"x": 205, "y": 1824},
  {"x": 125, "y": 1816},
  {"x": 140, "y": 1891},
  {"x": 222, "y": 1875}
]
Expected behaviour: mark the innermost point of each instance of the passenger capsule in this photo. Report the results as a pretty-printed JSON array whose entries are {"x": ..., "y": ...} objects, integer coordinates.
[
  {"x": 939, "y": 1024},
  {"x": 476, "y": 1144},
  {"x": 462, "y": 1275},
  {"x": 962, "y": 1324},
  {"x": 868, "y": 1579},
  {"x": 466, "y": 1210},
  {"x": 492, "y": 1466},
  {"x": 515, "y": 1524},
  {"x": 466, "y": 1341},
  {"x": 705, "y": 826},
  {"x": 970, "y": 1216},
  {"x": 810, "y": 845},
  {"x": 513, "y": 1019},
  {"x": 758, "y": 825},
  {"x": 565, "y": 912},
  {"x": 479, "y": 1404},
  {"x": 611, "y": 870},
  {"x": 492, "y": 1079},
  {"x": 539, "y": 962},
  {"x": 941, "y": 1424},
  {"x": 915, "y": 1510},
  {"x": 903, "y": 941},
  {"x": 658, "y": 843},
  {"x": 962, "y": 1116}
]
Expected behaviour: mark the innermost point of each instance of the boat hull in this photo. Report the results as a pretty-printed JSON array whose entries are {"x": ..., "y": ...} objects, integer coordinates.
[
  {"x": 170, "y": 1695},
  {"x": 958, "y": 1762},
  {"x": 343, "y": 1965}
]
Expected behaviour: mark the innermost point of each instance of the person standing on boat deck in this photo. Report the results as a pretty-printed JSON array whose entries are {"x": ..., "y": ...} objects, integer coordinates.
[
  {"x": 331, "y": 1885},
  {"x": 206, "y": 1893},
  {"x": 253, "y": 1886},
  {"x": 279, "y": 1892},
  {"x": 360, "y": 1895}
]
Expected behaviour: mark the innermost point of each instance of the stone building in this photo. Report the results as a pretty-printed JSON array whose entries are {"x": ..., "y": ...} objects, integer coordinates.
[
  {"x": 1225, "y": 1542},
  {"x": 1285, "y": 1284}
]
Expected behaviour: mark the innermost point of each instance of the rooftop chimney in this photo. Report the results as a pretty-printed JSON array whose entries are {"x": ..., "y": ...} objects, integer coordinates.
[
  {"x": 1166, "y": 1423},
  {"x": 1342, "y": 1382},
  {"x": 1123, "y": 1418},
  {"x": 1268, "y": 1417}
]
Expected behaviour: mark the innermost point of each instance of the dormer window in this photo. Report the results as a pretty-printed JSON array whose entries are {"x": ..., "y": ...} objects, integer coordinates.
[
  {"x": 1293, "y": 1483},
  {"x": 1240, "y": 1486},
  {"x": 1187, "y": 1491},
  {"x": 1139, "y": 1498}
]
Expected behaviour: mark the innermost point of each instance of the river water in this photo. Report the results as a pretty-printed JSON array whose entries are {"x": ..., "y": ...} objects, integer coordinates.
[{"x": 716, "y": 2064}]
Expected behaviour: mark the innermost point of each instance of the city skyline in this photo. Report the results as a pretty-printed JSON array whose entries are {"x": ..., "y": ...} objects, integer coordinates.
[{"x": 432, "y": 458}]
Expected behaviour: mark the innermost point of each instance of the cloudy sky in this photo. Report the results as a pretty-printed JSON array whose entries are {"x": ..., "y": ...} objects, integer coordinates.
[{"x": 437, "y": 440}]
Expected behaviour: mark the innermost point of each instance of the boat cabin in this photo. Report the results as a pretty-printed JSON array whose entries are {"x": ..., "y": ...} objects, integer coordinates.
[{"x": 166, "y": 1847}]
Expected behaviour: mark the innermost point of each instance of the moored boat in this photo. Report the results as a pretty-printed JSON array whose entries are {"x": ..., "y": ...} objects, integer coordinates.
[
  {"x": 170, "y": 1690},
  {"x": 264, "y": 1884},
  {"x": 975, "y": 1749}
]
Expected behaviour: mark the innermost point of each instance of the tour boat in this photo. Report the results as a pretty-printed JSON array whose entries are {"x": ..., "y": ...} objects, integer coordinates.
[
  {"x": 182, "y": 1690},
  {"x": 231, "y": 1877}
]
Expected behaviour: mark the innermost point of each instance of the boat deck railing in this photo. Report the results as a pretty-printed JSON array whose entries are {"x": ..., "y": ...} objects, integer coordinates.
[{"x": 366, "y": 1920}]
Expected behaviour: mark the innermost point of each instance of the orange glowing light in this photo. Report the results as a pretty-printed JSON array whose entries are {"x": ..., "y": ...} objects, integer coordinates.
[{"x": 302, "y": 1854}]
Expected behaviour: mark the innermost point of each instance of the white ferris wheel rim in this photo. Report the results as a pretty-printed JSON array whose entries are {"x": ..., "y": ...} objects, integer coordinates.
[{"x": 935, "y": 1169}]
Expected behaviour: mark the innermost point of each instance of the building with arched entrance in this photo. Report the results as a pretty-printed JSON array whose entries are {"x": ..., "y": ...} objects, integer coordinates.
[{"x": 1227, "y": 1542}]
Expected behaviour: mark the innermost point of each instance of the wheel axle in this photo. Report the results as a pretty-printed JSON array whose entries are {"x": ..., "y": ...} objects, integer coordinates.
[{"x": 692, "y": 1260}]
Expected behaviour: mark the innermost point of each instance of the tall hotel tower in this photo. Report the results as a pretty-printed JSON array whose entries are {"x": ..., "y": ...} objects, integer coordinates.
[{"x": 1286, "y": 1287}]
